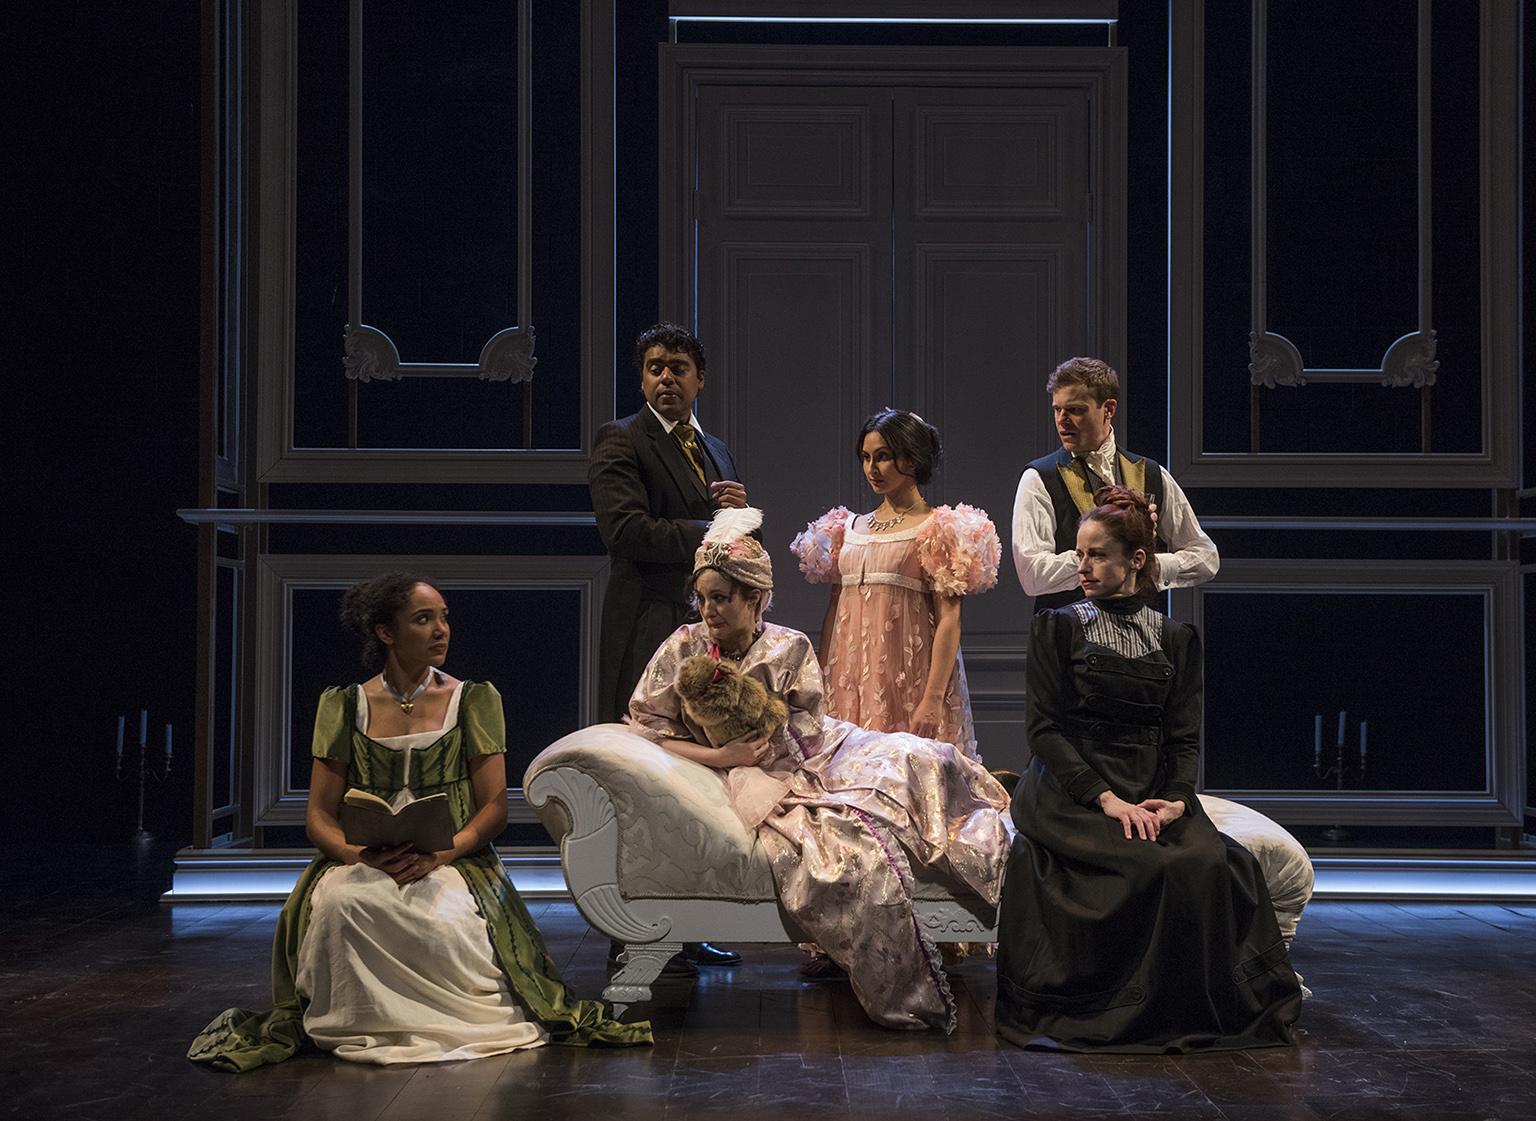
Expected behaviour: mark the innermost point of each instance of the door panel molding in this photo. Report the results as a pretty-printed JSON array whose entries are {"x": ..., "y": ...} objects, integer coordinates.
[{"x": 947, "y": 225}]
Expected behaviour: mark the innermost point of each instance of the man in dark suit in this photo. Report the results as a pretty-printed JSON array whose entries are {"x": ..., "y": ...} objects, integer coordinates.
[{"x": 656, "y": 480}]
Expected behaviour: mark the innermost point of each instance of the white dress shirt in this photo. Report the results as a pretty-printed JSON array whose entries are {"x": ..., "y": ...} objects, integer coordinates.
[
  {"x": 671, "y": 424},
  {"x": 1042, "y": 570}
]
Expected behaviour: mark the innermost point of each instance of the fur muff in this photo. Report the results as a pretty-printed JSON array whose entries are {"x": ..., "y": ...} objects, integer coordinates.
[{"x": 727, "y": 703}]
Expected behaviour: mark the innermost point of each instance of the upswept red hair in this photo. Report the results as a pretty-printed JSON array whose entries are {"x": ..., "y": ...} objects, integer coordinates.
[{"x": 1127, "y": 517}]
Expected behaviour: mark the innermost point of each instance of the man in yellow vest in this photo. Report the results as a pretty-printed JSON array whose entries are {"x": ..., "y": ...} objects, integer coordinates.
[{"x": 1057, "y": 489}]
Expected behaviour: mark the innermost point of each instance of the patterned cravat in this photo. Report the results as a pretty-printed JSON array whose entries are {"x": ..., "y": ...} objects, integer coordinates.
[{"x": 688, "y": 440}]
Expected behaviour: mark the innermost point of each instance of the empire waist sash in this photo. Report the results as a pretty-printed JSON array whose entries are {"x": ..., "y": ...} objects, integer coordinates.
[{"x": 886, "y": 578}]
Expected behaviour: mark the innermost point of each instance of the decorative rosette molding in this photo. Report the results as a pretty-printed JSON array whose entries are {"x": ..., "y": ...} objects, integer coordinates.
[
  {"x": 371, "y": 355},
  {"x": 1274, "y": 360},
  {"x": 508, "y": 356},
  {"x": 1410, "y": 361}
]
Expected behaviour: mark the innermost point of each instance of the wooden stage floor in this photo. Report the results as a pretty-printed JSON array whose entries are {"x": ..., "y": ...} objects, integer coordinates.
[{"x": 1420, "y": 1011}]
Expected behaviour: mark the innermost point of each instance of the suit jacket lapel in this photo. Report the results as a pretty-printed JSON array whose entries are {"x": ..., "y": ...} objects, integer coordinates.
[
  {"x": 719, "y": 455},
  {"x": 671, "y": 456}
]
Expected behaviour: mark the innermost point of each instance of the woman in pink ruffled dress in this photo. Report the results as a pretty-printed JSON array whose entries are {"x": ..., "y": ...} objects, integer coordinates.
[{"x": 890, "y": 642}]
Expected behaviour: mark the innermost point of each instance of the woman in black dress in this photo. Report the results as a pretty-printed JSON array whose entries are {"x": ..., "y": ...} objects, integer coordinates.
[{"x": 1127, "y": 922}]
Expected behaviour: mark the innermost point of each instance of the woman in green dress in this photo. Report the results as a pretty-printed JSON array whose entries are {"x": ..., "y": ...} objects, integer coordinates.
[{"x": 389, "y": 955}]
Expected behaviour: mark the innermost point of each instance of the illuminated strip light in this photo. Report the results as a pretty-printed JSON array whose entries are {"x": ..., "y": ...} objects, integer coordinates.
[
  {"x": 881, "y": 20},
  {"x": 1424, "y": 878},
  {"x": 270, "y": 880},
  {"x": 267, "y": 879}
]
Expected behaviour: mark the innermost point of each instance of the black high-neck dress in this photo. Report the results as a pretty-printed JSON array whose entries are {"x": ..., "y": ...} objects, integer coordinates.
[{"x": 1128, "y": 945}]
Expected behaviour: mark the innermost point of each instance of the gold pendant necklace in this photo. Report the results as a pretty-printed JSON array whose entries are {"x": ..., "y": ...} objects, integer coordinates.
[{"x": 407, "y": 702}]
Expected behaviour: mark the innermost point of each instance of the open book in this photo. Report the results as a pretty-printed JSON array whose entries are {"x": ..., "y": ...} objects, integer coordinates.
[{"x": 371, "y": 821}]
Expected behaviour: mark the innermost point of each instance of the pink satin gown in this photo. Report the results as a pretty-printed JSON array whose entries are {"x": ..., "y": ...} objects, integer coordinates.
[{"x": 846, "y": 816}]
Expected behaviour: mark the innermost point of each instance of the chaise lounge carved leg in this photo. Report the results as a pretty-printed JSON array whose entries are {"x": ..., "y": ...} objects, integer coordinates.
[
  {"x": 642, "y": 965},
  {"x": 589, "y": 847}
]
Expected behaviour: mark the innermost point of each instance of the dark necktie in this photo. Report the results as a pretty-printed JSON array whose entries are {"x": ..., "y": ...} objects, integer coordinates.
[
  {"x": 688, "y": 440},
  {"x": 1089, "y": 475}
]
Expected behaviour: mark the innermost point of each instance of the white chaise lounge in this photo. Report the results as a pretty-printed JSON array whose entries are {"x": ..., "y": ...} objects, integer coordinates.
[{"x": 655, "y": 857}]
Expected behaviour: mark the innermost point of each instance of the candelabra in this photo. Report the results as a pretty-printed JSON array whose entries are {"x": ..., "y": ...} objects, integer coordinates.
[
  {"x": 1340, "y": 770},
  {"x": 147, "y": 772}
]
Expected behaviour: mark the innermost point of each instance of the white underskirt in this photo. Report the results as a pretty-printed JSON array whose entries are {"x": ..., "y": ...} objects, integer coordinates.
[{"x": 406, "y": 975}]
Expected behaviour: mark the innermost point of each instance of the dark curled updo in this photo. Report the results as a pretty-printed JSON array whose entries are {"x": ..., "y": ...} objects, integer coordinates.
[
  {"x": 912, "y": 440},
  {"x": 375, "y": 603},
  {"x": 1126, "y": 516}
]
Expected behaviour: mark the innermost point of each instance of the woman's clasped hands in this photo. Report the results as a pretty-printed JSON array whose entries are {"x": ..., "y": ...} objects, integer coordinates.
[
  {"x": 402, "y": 863},
  {"x": 1145, "y": 819}
]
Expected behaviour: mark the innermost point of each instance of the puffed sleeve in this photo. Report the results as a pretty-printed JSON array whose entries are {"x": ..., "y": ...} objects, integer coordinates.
[
  {"x": 483, "y": 720},
  {"x": 1181, "y": 716},
  {"x": 959, "y": 550},
  {"x": 333, "y": 724},
  {"x": 819, "y": 545},
  {"x": 1045, "y": 673},
  {"x": 655, "y": 708}
]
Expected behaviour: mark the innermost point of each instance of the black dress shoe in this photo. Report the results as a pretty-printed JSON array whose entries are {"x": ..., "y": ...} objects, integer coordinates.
[{"x": 706, "y": 953}]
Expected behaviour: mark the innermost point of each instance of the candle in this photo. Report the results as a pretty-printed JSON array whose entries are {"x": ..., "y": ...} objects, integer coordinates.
[
  {"x": 144, "y": 726},
  {"x": 1362, "y": 742},
  {"x": 167, "y": 741},
  {"x": 122, "y": 722},
  {"x": 1341, "y": 729},
  {"x": 1317, "y": 739}
]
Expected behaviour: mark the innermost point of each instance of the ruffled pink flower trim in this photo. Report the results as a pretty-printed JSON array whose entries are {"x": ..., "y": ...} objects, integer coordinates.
[
  {"x": 818, "y": 547},
  {"x": 959, "y": 550}
]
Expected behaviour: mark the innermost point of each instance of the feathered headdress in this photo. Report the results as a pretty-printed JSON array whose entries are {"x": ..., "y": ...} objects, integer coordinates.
[{"x": 729, "y": 547}]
